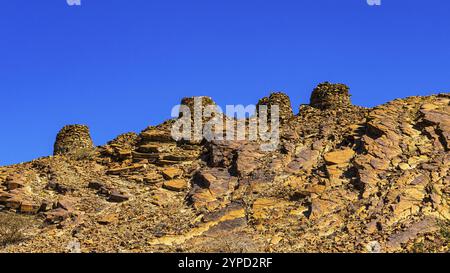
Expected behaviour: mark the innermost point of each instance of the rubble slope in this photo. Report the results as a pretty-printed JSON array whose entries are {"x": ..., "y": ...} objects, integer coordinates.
[{"x": 343, "y": 179}]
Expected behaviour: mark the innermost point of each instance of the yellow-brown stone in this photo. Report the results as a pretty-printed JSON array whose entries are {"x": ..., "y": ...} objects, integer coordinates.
[
  {"x": 176, "y": 185},
  {"x": 339, "y": 157},
  {"x": 29, "y": 207},
  {"x": 171, "y": 173}
]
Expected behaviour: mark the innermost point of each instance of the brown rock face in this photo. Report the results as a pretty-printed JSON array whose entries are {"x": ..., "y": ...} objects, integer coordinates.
[
  {"x": 329, "y": 96},
  {"x": 342, "y": 178},
  {"x": 211, "y": 188},
  {"x": 73, "y": 139}
]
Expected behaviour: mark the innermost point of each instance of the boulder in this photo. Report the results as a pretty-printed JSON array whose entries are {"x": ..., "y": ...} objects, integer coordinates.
[
  {"x": 396, "y": 240},
  {"x": 322, "y": 207},
  {"x": 202, "y": 198},
  {"x": 211, "y": 188},
  {"x": 218, "y": 181},
  {"x": 171, "y": 173},
  {"x": 176, "y": 185},
  {"x": 56, "y": 216},
  {"x": 15, "y": 184},
  {"x": 29, "y": 207},
  {"x": 96, "y": 185},
  {"x": 117, "y": 197},
  {"x": 305, "y": 160},
  {"x": 58, "y": 187},
  {"x": 339, "y": 157},
  {"x": 66, "y": 203}
]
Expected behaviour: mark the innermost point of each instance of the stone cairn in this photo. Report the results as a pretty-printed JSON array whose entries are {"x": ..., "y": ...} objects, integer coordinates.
[
  {"x": 205, "y": 102},
  {"x": 190, "y": 102},
  {"x": 330, "y": 96},
  {"x": 283, "y": 102},
  {"x": 73, "y": 139}
]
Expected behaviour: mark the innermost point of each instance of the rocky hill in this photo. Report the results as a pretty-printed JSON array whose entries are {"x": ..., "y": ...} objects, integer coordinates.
[{"x": 342, "y": 179}]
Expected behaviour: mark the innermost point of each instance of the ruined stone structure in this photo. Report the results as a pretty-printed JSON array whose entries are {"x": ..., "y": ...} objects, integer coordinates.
[
  {"x": 330, "y": 96},
  {"x": 190, "y": 102},
  {"x": 72, "y": 139},
  {"x": 343, "y": 179},
  {"x": 282, "y": 101}
]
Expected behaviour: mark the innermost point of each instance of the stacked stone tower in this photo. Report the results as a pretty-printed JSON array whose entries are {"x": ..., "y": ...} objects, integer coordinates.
[
  {"x": 73, "y": 139},
  {"x": 330, "y": 96},
  {"x": 282, "y": 101},
  {"x": 190, "y": 102}
]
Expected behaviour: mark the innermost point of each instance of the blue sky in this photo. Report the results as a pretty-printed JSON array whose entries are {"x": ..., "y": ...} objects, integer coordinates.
[{"x": 120, "y": 65}]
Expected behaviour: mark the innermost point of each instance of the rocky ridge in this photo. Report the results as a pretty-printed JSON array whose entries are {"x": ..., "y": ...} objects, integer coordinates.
[{"x": 343, "y": 179}]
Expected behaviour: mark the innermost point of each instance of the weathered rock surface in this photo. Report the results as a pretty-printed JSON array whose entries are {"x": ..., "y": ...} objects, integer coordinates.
[{"x": 342, "y": 179}]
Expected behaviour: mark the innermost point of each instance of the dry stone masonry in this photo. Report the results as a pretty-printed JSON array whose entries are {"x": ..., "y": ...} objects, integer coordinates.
[
  {"x": 282, "y": 101},
  {"x": 190, "y": 103},
  {"x": 327, "y": 96},
  {"x": 73, "y": 139}
]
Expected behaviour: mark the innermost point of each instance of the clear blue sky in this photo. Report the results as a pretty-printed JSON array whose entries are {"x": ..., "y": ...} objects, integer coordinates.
[{"x": 120, "y": 65}]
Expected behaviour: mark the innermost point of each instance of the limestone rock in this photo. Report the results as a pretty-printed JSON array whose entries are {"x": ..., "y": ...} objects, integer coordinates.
[
  {"x": 426, "y": 225},
  {"x": 175, "y": 185},
  {"x": 342, "y": 179},
  {"x": 171, "y": 173},
  {"x": 264, "y": 208},
  {"x": 212, "y": 188},
  {"x": 157, "y": 136},
  {"x": 322, "y": 207},
  {"x": 29, "y": 207},
  {"x": 339, "y": 157},
  {"x": 57, "y": 215}
]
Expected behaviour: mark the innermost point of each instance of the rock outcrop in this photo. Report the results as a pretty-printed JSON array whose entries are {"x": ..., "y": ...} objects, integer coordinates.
[{"x": 342, "y": 178}]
